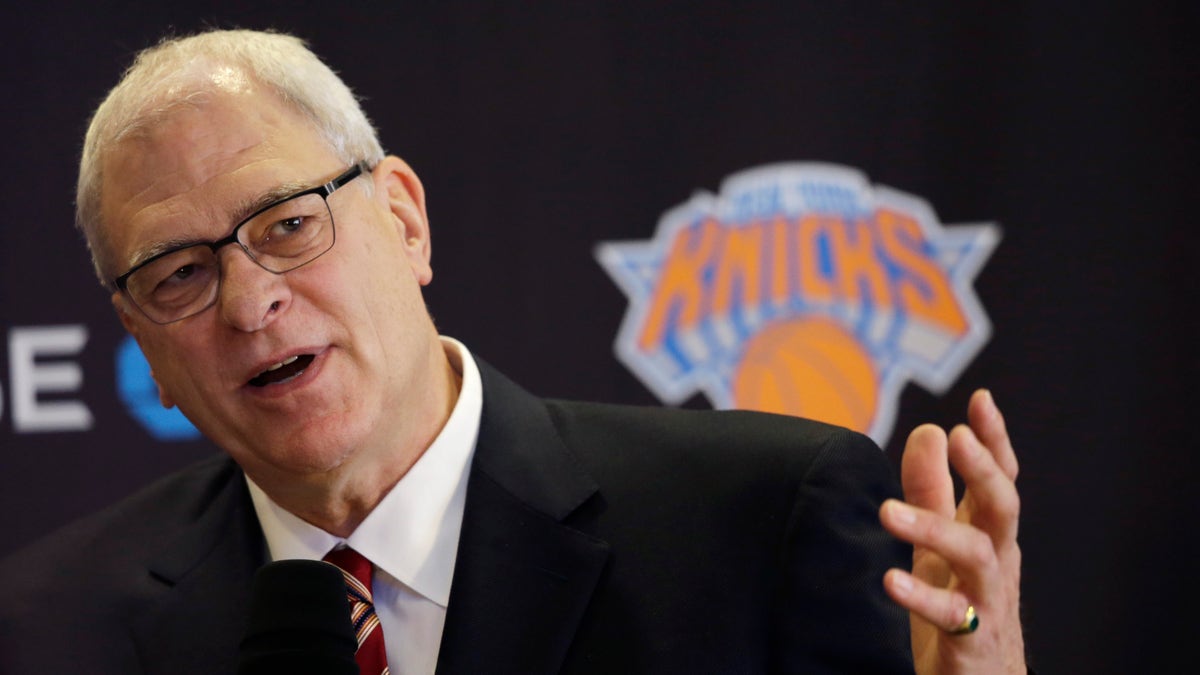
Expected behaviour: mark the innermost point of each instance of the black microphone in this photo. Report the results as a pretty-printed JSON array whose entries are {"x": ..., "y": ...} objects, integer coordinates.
[{"x": 299, "y": 622}]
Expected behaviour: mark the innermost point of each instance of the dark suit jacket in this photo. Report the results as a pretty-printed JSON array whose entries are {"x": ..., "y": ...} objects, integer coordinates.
[{"x": 596, "y": 539}]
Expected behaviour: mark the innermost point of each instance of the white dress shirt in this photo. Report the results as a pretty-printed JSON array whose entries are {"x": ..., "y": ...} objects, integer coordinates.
[{"x": 411, "y": 536}]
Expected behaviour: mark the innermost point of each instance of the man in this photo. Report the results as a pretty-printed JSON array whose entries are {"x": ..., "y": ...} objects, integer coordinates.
[{"x": 269, "y": 259}]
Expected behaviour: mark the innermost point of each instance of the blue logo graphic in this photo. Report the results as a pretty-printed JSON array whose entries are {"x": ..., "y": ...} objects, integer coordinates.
[{"x": 139, "y": 393}]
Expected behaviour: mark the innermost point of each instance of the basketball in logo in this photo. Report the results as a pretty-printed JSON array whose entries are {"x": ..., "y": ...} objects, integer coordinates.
[{"x": 809, "y": 367}]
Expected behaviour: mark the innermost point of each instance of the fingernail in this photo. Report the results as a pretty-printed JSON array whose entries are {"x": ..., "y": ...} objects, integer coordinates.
[
  {"x": 902, "y": 512},
  {"x": 990, "y": 399},
  {"x": 902, "y": 583}
]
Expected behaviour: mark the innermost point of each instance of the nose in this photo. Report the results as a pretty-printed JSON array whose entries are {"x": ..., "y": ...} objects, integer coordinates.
[{"x": 250, "y": 297}]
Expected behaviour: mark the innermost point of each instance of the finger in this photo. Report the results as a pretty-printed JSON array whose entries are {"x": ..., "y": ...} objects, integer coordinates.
[
  {"x": 995, "y": 505},
  {"x": 941, "y": 607},
  {"x": 967, "y": 549},
  {"x": 925, "y": 470},
  {"x": 988, "y": 424}
]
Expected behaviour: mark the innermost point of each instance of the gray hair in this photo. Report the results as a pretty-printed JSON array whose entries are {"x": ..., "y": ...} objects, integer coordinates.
[{"x": 178, "y": 72}]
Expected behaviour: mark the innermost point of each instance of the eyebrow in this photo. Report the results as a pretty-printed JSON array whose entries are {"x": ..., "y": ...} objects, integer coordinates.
[
  {"x": 243, "y": 211},
  {"x": 265, "y": 199}
]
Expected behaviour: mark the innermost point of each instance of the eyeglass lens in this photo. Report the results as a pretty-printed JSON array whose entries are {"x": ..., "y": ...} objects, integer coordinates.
[{"x": 287, "y": 235}]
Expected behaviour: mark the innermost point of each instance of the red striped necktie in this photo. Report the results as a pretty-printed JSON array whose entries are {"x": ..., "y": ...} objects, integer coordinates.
[{"x": 358, "y": 572}]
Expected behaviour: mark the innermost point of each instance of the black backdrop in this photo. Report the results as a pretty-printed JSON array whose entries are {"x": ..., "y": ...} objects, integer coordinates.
[{"x": 542, "y": 130}]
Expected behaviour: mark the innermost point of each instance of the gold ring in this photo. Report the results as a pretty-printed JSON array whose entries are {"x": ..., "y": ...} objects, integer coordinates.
[{"x": 969, "y": 623}]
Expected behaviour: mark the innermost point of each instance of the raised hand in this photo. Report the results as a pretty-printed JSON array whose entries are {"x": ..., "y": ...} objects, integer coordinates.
[{"x": 965, "y": 556}]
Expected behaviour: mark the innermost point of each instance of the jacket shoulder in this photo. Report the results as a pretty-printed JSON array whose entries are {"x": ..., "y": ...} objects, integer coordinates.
[
  {"x": 101, "y": 546},
  {"x": 774, "y": 517},
  {"x": 123, "y": 582},
  {"x": 708, "y": 439}
]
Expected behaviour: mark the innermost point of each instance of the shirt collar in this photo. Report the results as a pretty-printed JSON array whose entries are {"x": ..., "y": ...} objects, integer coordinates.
[{"x": 412, "y": 534}]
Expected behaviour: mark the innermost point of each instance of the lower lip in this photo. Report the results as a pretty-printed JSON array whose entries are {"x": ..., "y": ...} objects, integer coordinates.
[{"x": 298, "y": 382}]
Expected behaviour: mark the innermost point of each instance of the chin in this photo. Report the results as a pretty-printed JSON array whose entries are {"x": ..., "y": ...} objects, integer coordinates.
[
  {"x": 316, "y": 455},
  {"x": 319, "y": 448}
]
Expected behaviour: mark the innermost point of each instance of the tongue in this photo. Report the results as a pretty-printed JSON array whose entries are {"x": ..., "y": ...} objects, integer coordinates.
[{"x": 284, "y": 373}]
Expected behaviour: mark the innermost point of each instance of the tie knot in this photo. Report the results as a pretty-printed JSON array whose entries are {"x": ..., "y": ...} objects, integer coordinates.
[{"x": 354, "y": 565}]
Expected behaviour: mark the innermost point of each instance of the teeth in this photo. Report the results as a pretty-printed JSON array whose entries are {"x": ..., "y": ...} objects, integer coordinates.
[{"x": 281, "y": 364}]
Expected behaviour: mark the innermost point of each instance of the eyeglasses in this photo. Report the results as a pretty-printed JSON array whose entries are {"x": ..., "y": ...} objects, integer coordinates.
[{"x": 286, "y": 234}]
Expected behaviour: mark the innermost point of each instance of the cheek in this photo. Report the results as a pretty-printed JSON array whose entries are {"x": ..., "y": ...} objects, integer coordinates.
[
  {"x": 379, "y": 270},
  {"x": 176, "y": 362}
]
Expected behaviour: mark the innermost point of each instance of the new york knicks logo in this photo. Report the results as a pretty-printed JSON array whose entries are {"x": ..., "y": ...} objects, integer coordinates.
[{"x": 802, "y": 289}]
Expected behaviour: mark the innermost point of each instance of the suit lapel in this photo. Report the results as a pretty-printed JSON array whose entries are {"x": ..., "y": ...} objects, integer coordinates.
[
  {"x": 522, "y": 577},
  {"x": 202, "y": 577}
]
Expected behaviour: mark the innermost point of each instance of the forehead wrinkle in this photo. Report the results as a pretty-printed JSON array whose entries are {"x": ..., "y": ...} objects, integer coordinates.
[{"x": 149, "y": 249}]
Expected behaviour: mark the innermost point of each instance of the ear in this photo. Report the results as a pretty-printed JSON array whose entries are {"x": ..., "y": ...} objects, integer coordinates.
[
  {"x": 399, "y": 189},
  {"x": 163, "y": 398},
  {"x": 125, "y": 314}
]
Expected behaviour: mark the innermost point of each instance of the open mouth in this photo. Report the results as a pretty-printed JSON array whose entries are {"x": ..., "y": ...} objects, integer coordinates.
[{"x": 282, "y": 371}]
